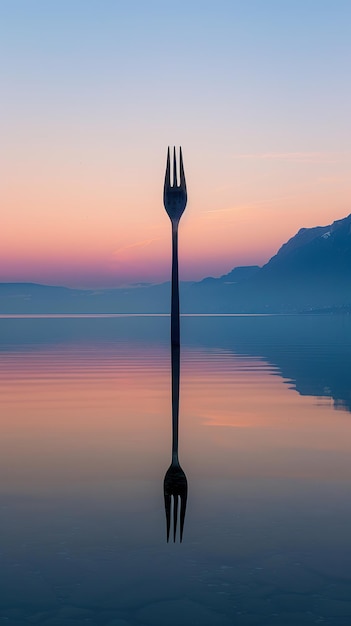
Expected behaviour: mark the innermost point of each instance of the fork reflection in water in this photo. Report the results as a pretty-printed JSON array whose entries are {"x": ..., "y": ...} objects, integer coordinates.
[
  {"x": 175, "y": 486},
  {"x": 175, "y": 483}
]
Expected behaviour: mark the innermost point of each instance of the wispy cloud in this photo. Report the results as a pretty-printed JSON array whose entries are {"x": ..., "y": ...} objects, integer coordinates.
[
  {"x": 297, "y": 157},
  {"x": 229, "y": 425},
  {"x": 334, "y": 179},
  {"x": 249, "y": 206},
  {"x": 138, "y": 244},
  {"x": 237, "y": 207}
]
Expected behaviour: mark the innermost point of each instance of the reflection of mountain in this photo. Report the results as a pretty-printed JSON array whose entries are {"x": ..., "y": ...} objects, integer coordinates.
[
  {"x": 311, "y": 271},
  {"x": 311, "y": 351}
]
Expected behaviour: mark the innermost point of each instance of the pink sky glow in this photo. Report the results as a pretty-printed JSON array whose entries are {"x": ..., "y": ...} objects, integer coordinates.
[{"x": 263, "y": 124}]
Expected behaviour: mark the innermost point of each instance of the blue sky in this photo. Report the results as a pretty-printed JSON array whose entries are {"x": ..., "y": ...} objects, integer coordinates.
[{"x": 256, "y": 92}]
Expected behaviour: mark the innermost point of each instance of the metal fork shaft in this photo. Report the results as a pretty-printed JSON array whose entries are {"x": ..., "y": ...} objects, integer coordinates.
[
  {"x": 175, "y": 332},
  {"x": 175, "y": 352}
]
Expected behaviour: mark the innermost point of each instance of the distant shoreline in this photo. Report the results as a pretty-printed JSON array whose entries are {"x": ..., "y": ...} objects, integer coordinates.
[{"x": 123, "y": 315}]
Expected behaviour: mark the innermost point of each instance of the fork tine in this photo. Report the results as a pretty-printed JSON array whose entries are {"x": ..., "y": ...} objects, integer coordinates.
[
  {"x": 168, "y": 514},
  {"x": 182, "y": 175},
  {"x": 175, "y": 515},
  {"x": 168, "y": 172},
  {"x": 182, "y": 514},
  {"x": 174, "y": 168}
]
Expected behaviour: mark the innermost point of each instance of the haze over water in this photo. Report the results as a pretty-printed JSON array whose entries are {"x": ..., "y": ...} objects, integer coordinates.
[{"x": 265, "y": 441}]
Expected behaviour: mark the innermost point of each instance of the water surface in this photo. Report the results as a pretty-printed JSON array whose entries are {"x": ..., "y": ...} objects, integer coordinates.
[{"x": 265, "y": 441}]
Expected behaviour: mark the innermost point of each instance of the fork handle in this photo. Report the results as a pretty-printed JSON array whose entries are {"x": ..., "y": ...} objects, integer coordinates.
[
  {"x": 175, "y": 356},
  {"x": 175, "y": 332}
]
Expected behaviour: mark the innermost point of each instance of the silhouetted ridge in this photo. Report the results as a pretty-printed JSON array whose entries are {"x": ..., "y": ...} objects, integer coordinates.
[
  {"x": 322, "y": 247},
  {"x": 310, "y": 272},
  {"x": 238, "y": 274}
]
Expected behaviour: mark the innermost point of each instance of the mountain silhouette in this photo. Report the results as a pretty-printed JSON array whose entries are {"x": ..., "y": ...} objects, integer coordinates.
[
  {"x": 310, "y": 272},
  {"x": 320, "y": 253},
  {"x": 313, "y": 269}
]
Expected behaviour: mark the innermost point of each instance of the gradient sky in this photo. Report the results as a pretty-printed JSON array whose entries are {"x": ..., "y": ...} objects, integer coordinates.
[{"x": 257, "y": 92}]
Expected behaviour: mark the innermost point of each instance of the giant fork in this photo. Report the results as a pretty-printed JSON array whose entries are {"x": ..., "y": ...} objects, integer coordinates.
[
  {"x": 174, "y": 199},
  {"x": 175, "y": 486}
]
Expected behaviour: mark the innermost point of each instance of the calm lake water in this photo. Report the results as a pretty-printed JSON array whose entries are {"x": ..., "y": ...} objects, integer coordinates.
[{"x": 265, "y": 441}]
